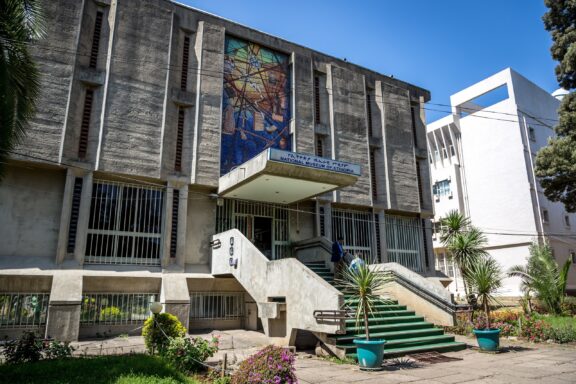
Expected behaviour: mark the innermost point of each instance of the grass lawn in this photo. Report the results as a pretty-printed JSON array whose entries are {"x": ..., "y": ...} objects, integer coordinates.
[
  {"x": 559, "y": 321},
  {"x": 128, "y": 369}
]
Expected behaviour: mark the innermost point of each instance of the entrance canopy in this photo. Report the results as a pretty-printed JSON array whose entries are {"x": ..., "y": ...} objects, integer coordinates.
[{"x": 276, "y": 176}]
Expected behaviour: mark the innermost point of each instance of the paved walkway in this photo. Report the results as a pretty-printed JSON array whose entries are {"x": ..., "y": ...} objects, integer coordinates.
[{"x": 517, "y": 363}]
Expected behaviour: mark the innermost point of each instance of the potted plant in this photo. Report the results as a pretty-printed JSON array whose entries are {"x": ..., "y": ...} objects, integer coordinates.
[
  {"x": 485, "y": 278},
  {"x": 361, "y": 286}
]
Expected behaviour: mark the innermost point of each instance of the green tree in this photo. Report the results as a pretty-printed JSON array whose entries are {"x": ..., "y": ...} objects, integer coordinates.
[
  {"x": 485, "y": 278},
  {"x": 542, "y": 276},
  {"x": 464, "y": 243},
  {"x": 556, "y": 163},
  {"x": 20, "y": 24}
]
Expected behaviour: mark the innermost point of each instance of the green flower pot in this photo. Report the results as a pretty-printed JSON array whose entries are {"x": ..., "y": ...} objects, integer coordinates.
[
  {"x": 488, "y": 339},
  {"x": 370, "y": 354}
]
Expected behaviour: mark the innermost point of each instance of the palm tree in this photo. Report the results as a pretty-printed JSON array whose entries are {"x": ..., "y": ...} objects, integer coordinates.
[
  {"x": 364, "y": 285},
  {"x": 544, "y": 277},
  {"x": 485, "y": 278},
  {"x": 463, "y": 242},
  {"x": 20, "y": 23}
]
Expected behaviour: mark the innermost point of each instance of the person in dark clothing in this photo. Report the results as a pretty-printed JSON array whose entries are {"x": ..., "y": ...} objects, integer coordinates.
[{"x": 338, "y": 254}]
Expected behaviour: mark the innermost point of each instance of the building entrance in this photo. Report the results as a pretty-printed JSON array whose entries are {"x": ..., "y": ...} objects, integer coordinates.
[{"x": 263, "y": 235}]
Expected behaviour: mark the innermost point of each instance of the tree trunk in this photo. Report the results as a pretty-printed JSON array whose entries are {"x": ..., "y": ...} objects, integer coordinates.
[
  {"x": 487, "y": 311},
  {"x": 366, "y": 319}
]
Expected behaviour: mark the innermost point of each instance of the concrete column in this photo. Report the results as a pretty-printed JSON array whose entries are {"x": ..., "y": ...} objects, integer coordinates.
[
  {"x": 65, "y": 216},
  {"x": 428, "y": 252},
  {"x": 383, "y": 245},
  {"x": 182, "y": 226},
  {"x": 83, "y": 218},
  {"x": 63, "y": 322},
  {"x": 175, "y": 297}
]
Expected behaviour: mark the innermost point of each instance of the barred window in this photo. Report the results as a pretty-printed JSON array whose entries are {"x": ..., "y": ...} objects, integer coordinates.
[
  {"x": 23, "y": 310},
  {"x": 116, "y": 308},
  {"x": 125, "y": 224},
  {"x": 216, "y": 305}
]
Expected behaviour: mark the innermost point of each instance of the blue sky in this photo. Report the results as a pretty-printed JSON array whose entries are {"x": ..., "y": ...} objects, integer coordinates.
[{"x": 441, "y": 45}]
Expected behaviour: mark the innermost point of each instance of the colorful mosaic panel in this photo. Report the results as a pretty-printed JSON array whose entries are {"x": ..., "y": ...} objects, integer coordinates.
[{"x": 256, "y": 102}]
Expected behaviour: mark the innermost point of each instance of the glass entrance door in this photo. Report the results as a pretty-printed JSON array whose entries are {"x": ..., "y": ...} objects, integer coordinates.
[{"x": 263, "y": 235}]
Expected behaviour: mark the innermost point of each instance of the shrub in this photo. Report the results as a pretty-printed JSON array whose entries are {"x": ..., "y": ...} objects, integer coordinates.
[
  {"x": 111, "y": 314},
  {"x": 31, "y": 348},
  {"x": 187, "y": 354},
  {"x": 156, "y": 337},
  {"x": 569, "y": 306},
  {"x": 272, "y": 365},
  {"x": 533, "y": 329},
  {"x": 564, "y": 333}
]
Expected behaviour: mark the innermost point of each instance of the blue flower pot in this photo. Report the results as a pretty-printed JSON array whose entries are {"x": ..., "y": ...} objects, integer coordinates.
[
  {"x": 488, "y": 339},
  {"x": 370, "y": 353}
]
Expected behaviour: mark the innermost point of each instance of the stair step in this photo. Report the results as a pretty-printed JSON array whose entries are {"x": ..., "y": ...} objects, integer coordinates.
[
  {"x": 391, "y": 327},
  {"x": 392, "y": 313},
  {"x": 382, "y": 307},
  {"x": 439, "y": 347},
  {"x": 400, "y": 343},
  {"x": 315, "y": 263},
  {"x": 393, "y": 335},
  {"x": 388, "y": 320}
]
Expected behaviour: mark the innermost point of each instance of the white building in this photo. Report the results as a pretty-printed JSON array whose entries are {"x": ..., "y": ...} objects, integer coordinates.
[{"x": 482, "y": 164}]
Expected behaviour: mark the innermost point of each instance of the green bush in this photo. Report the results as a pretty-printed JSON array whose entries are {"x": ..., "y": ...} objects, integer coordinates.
[
  {"x": 31, "y": 348},
  {"x": 569, "y": 306},
  {"x": 111, "y": 314},
  {"x": 269, "y": 365},
  {"x": 156, "y": 336},
  {"x": 565, "y": 333},
  {"x": 187, "y": 354}
]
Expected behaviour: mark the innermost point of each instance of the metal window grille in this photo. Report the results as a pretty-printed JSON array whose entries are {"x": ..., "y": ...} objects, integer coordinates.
[
  {"x": 369, "y": 113},
  {"x": 357, "y": 230},
  {"x": 125, "y": 225},
  {"x": 317, "y": 99},
  {"x": 185, "y": 58},
  {"x": 441, "y": 188},
  {"x": 419, "y": 180},
  {"x": 403, "y": 239},
  {"x": 174, "y": 231},
  {"x": 322, "y": 218},
  {"x": 414, "y": 132},
  {"x": 96, "y": 40},
  {"x": 116, "y": 308},
  {"x": 240, "y": 214},
  {"x": 75, "y": 211},
  {"x": 216, "y": 305},
  {"x": 425, "y": 243},
  {"x": 319, "y": 146},
  {"x": 378, "y": 242},
  {"x": 373, "y": 175},
  {"x": 85, "y": 124},
  {"x": 23, "y": 310},
  {"x": 179, "y": 140}
]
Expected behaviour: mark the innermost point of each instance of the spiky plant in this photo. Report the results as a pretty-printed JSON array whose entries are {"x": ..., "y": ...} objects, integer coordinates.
[
  {"x": 544, "y": 277},
  {"x": 21, "y": 23},
  {"x": 485, "y": 278},
  {"x": 364, "y": 285},
  {"x": 453, "y": 224},
  {"x": 466, "y": 248}
]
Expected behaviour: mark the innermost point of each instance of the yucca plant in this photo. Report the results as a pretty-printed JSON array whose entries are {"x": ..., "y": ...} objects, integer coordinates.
[
  {"x": 485, "y": 278},
  {"x": 542, "y": 276},
  {"x": 452, "y": 224},
  {"x": 363, "y": 286}
]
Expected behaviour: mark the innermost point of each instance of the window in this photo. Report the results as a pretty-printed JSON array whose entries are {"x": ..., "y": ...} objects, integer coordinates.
[
  {"x": 179, "y": 140},
  {"x": 185, "y": 59},
  {"x": 444, "y": 153},
  {"x": 445, "y": 265},
  {"x": 125, "y": 225},
  {"x": 85, "y": 125},
  {"x": 357, "y": 229},
  {"x": 436, "y": 229},
  {"x": 404, "y": 239},
  {"x": 441, "y": 188},
  {"x": 115, "y": 308},
  {"x": 96, "y": 40},
  {"x": 319, "y": 145},
  {"x": 567, "y": 220},
  {"x": 452, "y": 150},
  {"x": 369, "y": 112},
  {"x": 573, "y": 257},
  {"x": 373, "y": 180},
  {"x": 317, "y": 114},
  {"x": 545, "y": 217},
  {"x": 216, "y": 305},
  {"x": 531, "y": 134}
]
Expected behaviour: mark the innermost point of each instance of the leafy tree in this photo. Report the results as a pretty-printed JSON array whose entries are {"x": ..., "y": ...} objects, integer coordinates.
[
  {"x": 544, "y": 277},
  {"x": 20, "y": 23},
  {"x": 556, "y": 163}
]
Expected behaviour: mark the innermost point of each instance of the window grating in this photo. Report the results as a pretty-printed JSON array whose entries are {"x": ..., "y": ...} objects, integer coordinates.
[
  {"x": 319, "y": 146},
  {"x": 317, "y": 99},
  {"x": 369, "y": 113},
  {"x": 96, "y": 40},
  {"x": 125, "y": 225},
  {"x": 357, "y": 230},
  {"x": 322, "y": 211},
  {"x": 174, "y": 231},
  {"x": 425, "y": 243},
  {"x": 378, "y": 242},
  {"x": 116, "y": 308},
  {"x": 23, "y": 310},
  {"x": 75, "y": 211},
  {"x": 373, "y": 175},
  {"x": 414, "y": 132},
  {"x": 216, "y": 305},
  {"x": 85, "y": 125},
  {"x": 419, "y": 180},
  {"x": 403, "y": 241},
  {"x": 185, "y": 58},
  {"x": 179, "y": 140}
]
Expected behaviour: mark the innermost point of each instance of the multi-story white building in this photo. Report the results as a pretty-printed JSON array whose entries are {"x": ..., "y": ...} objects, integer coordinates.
[{"x": 482, "y": 164}]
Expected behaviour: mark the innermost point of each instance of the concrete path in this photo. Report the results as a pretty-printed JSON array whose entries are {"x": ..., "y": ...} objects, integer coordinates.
[{"x": 518, "y": 362}]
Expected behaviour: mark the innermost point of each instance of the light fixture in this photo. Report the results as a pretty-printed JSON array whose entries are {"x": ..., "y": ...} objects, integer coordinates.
[{"x": 156, "y": 307}]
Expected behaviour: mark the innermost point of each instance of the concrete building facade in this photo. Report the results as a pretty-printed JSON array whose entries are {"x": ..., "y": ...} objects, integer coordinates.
[
  {"x": 482, "y": 165},
  {"x": 159, "y": 127}
]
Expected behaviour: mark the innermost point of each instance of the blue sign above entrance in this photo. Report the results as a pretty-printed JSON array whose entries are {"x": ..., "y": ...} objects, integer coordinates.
[{"x": 311, "y": 161}]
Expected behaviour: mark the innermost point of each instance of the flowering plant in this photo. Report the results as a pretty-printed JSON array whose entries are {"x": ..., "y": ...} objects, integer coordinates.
[
  {"x": 188, "y": 354},
  {"x": 271, "y": 365}
]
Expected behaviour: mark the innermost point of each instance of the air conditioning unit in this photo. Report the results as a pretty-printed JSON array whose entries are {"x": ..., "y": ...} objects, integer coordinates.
[
  {"x": 451, "y": 195},
  {"x": 436, "y": 198}
]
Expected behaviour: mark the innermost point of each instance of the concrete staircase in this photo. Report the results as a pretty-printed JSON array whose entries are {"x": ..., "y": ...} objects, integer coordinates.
[{"x": 405, "y": 332}]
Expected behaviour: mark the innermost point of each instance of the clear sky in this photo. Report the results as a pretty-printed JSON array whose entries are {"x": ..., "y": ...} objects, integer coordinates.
[{"x": 440, "y": 45}]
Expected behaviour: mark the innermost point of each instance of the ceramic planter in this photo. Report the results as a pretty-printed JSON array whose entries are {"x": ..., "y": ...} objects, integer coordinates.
[
  {"x": 370, "y": 353},
  {"x": 488, "y": 339}
]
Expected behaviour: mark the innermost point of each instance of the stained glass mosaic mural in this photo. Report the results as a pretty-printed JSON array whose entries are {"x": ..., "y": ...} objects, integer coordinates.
[{"x": 256, "y": 102}]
